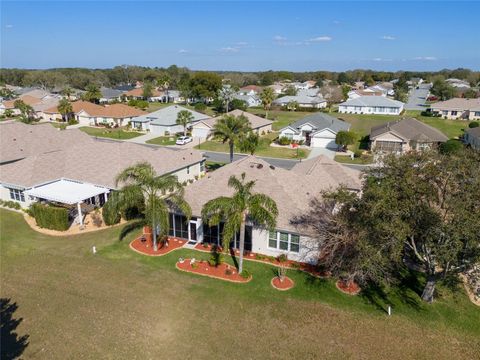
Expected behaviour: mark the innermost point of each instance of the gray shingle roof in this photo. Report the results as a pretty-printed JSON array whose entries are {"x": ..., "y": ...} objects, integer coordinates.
[
  {"x": 301, "y": 99},
  {"x": 321, "y": 121},
  {"x": 109, "y": 93},
  {"x": 410, "y": 129},
  {"x": 373, "y": 101},
  {"x": 474, "y": 132},
  {"x": 168, "y": 116}
]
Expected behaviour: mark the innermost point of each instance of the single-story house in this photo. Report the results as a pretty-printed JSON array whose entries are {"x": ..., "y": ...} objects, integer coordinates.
[
  {"x": 89, "y": 114},
  {"x": 137, "y": 94},
  {"x": 250, "y": 90},
  {"x": 302, "y": 101},
  {"x": 457, "y": 83},
  {"x": 203, "y": 128},
  {"x": 164, "y": 121},
  {"x": 378, "y": 105},
  {"x": 38, "y": 99},
  {"x": 457, "y": 108},
  {"x": 316, "y": 130},
  {"x": 109, "y": 94},
  {"x": 354, "y": 94},
  {"x": 41, "y": 163},
  {"x": 404, "y": 135},
  {"x": 250, "y": 100},
  {"x": 292, "y": 191},
  {"x": 472, "y": 138},
  {"x": 277, "y": 88}
]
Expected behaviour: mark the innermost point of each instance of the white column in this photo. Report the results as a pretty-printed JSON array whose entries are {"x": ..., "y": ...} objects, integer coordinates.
[{"x": 80, "y": 214}]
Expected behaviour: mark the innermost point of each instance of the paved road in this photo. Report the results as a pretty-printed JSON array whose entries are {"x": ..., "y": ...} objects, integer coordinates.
[{"x": 418, "y": 97}]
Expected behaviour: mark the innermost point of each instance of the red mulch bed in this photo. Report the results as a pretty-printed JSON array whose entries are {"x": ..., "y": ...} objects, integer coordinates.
[
  {"x": 287, "y": 283},
  {"x": 350, "y": 288},
  {"x": 146, "y": 247},
  {"x": 206, "y": 247},
  {"x": 218, "y": 272}
]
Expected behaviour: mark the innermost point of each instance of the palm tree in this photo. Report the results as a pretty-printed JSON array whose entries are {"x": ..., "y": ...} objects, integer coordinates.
[
  {"x": 158, "y": 193},
  {"x": 226, "y": 94},
  {"x": 184, "y": 118},
  {"x": 243, "y": 206},
  {"x": 65, "y": 109},
  {"x": 164, "y": 82},
  {"x": 67, "y": 92},
  {"x": 267, "y": 96},
  {"x": 147, "y": 90},
  {"x": 92, "y": 94},
  {"x": 292, "y": 105},
  {"x": 231, "y": 129}
]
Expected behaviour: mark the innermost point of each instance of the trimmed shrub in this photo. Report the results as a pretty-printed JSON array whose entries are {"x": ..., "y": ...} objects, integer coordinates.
[
  {"x": 50, "y": 217},
  {"x": 200, "y": 107},
  {"x": 474, "y": 124},
  {"x": 451, "y": 147},
  {"x": 11, "y": 204},
  {"x": 284, "y": 141},
  {"x": 110, "y": 214}
]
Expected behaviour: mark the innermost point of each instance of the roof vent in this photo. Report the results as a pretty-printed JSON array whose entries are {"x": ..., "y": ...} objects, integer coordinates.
[{"x": 259, "y": 166}]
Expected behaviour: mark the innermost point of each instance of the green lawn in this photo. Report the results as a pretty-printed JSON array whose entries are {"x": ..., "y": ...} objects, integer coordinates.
[
  {"x": 280, "y": 118},
  {"x": 75, "y": 304},
  {"x": 264, "y": 149},
  {"x": 120, "y": 134},
  {"x": 344, "y": 159},
  {"x": 163, "y": 140}
]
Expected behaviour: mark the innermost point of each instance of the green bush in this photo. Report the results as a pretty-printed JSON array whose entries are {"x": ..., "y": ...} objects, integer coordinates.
[
  {"x": 358, "y": 153},
  {"x": 110, "y": 214},
  {"x": 282, "y": 258},
  {"x": 474, "y": 124},
  {"x": 50, "y": 217},
  {"x": 200, "y": 107},
  {"x": 245, "y": 274},
  {"x": 72, "y": 122},
  {"x": 11, "y": 204},
  {"x": 451, "y": 147},
  {"x": 284, "y": 141}
]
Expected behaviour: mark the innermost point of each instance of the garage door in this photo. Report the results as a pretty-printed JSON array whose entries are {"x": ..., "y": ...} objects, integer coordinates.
[
  {"x": 323, "y": 143},
  {"x": 200, "y": 132},
  {"x": 158, "y": 130}
]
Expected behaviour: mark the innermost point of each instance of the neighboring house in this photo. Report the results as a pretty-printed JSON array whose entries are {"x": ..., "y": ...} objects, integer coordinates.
[
  {"x": 203, "y": 128},
  {"x": 302, "y": 100},
  {"x": 317, "y": 130},
  {"x": 250, "y": 100},
  {"x": 250, "y": 90},
  {"x": 457, "y": 108},
  {"x": 371, "y": 105},
  {"x": 137, "y": 94},
  {"x": 277, "y": 88},
  {"x": 355, "y": 94},
  {"x": 38, "y": 99},
  {"x": 472, "y": 138},
  {"x": 292, "y": 191},
  {"x": 164, "y": 121},
  {"x": 109, "y": 94},
  {"x": 41, "y": 163},
  {"x": 89, "y": 114},
  {"x": 313, "y": 91},
  {"x": 457, "y": 83},
  {"x": 404, "y": 135},
  {"x": 173, "y": 96}
]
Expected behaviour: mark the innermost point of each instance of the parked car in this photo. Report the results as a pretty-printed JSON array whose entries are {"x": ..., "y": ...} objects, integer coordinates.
[{"x": 182, "y": 140}]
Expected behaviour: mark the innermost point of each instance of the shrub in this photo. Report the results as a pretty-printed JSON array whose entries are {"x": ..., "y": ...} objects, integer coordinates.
[
  {"x": 245, "y": 274},
  {"x": 474, "y": 124},
  {"x": 11, "y": 204},
  {"x": 72, "y": 122},
  {"x": 200, "y": 107},
  {"x": 110, "y": 214},
  {"x": 282, "y": 258},
  {"x": 50, "y": 217},
  {"x": 228, "y": 272},
  {"x": 451, "y": 147},
  {"x": 216, "y": 258},
  {"x": 284, "y": 141},
  {"x": 358, "y": 153}
]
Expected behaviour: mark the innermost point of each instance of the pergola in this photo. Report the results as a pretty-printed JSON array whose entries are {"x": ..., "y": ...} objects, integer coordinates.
[{"x": 68, "y": 192}]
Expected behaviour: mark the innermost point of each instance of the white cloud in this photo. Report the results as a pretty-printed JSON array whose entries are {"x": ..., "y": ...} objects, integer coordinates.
[
  {"x": 8, "y": 26},
  {"x": 182, "y": 51},
  {"x": 381, "y": 59},
  {"x": 425, "y": 58},
  {"x": 319, "y": 39},
  {"x": 388, "y": 37},
  {"x": 229, "y": 49},
  {"x": 242, "y": 43},
  {"x": 279, "y": 38}
]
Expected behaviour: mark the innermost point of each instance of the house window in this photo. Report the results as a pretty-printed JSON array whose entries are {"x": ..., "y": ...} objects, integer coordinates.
[
  {"x": 284, "y": 241},
  {"x": 17, "y": 195},
  {"x": 477, "y": 113},
  {"x": 454, "y": 113},
  {"x": 445, "y": 112},
  {"x": 202, "y": 166}
]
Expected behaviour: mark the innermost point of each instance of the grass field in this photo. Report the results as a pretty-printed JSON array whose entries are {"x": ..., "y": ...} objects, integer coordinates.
[
  {"x": 280, "y": 118},
  {"x": 110, "y": 133},
  {"x": 163, "y": 140},
  {"x": 345, "y": 159},
  {"x": 119, "y": 304}
]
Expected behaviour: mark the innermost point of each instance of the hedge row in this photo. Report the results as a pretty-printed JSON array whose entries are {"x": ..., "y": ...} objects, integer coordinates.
[
  {"x": 11, "y": 204},
  {"x": 50, "y": 217}
]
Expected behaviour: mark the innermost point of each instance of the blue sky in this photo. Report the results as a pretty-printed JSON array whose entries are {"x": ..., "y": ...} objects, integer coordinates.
[{"x": 245, "y": 36}]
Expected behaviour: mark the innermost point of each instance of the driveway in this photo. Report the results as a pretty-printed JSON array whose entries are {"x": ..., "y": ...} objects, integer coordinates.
[
  {"x": 225, "y": 158},
  {"x": 418, "y": 97},
  {"x": 317, "y": 151},
  {"x": 143, "y": 138}
]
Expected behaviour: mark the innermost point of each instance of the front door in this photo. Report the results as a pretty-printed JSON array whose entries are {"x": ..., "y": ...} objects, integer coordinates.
[
  {"x": 192, "y": 231},
  {"x": 307, "y": 138}
]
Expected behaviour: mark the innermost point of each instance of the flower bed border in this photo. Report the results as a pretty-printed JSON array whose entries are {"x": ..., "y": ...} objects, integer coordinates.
[
  {"x": 155, "y": 255},
  {"x": 347, "y": 292},
  {"x": 280, "y": 289},
  {"x": 213, "y": 276}
]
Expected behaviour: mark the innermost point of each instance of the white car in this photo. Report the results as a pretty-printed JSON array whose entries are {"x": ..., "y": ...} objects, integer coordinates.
[{"x": 182, "y": 140}]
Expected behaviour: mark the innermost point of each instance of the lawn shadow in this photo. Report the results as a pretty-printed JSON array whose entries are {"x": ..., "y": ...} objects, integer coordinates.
[
  {"x": 364, "y": 142},
  {"x": 130, "y": 227},
  {"x": 376, "y": 296},
  {"x": 410, "y": 289},
  {"x": 11, "y": 344}
]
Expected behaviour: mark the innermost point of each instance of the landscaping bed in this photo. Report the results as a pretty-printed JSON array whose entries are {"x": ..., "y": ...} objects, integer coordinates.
[
  {"x": 284, "y": 285},
  {"x": 146, "y": 247},
  {"x": 222, "y": 271},
  {"x": 349, "y": 288}
]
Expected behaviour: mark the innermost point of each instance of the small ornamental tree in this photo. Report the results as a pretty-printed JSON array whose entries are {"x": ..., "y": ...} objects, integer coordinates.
[
  {"x": 345, "y": 138},
  {"x": 184, "y": 118},
  {"x": 267, "y": 96}
]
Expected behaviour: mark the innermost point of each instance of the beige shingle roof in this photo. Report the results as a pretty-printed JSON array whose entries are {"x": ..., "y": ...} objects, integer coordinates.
[
  {"x": 410, "y": 129},
  {"x": 459, "y": 104},
  {"x": 291, "y": 190},
  {"x": 255, "y": 121}
]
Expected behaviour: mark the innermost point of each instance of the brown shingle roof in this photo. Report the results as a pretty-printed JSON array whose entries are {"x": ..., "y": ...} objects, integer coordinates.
[
  {"x": 113, "y": 111},
  {"x": 138, "y": 92},
  {"x": 410, "y": 129},
  {"x": 291, "y": 190}
]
